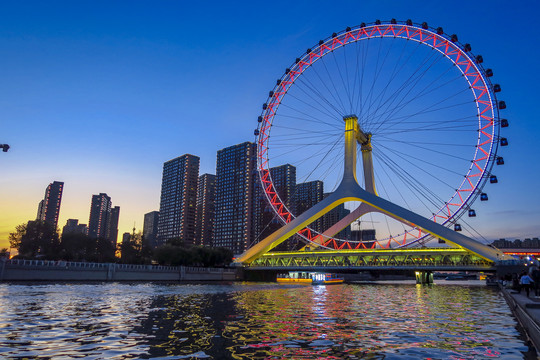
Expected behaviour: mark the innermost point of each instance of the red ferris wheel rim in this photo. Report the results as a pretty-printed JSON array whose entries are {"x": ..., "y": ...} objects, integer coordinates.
[{"x": 480, "y": 86}]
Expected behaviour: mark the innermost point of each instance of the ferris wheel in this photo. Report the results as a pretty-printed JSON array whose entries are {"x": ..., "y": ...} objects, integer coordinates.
[{"x": 425, "y": 110}]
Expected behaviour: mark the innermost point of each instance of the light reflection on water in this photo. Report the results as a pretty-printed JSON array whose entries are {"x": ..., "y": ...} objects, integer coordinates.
[{"x": 255, "y": 321}]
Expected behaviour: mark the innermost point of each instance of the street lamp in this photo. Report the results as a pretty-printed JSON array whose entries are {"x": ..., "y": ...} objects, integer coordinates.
[{"x": 4, "y": 147}]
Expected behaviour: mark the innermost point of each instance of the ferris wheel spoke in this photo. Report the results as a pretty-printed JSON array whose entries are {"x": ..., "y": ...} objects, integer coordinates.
[
  {"x": 423, "y": 161},
  {"x": 377, "y": 72},
  {"x": 345, "y": 85},
  {"x": 419, "y": 143},
  {"x": 473, "y": 232},
  {"x": 360, "y": 97},
  {"x": 414, "y": 181},
  {"x": 465, "y": 119},
  {"x": 290, "y": 139},
  {"x": 332, "y": 166},
  {"x": 431, "y": 108},
  {"x": 323, "y": 150},
  {"x": 333, "y": 131},
  {"x": 450, "y": 155},
  {"x": 429, "y": 87},
  {"x": 393, "y": 96},
  {"x": 331, "y": 80},
  {"x": 384, "y": 118},
  {"x": 322, "y": 159},
  {"x": 413, "y": 188},
  {"x": 333, "y": 93},
  {"x": 307, "y": 116},
  {"x": 420, "y": 168},
  {"x": 294, "y": 149},
  {"x": 458, "y": 124},
  {"x": 401, "y": 93},
  {"x": 426, "y": 198},
  {"x": 393, "y": 76},
  {"x": 445, "y": 129},
  {"x": 390, "y": 179},
  {"x": 451, "y": 125},
  {"x": 318, "y": 108},
  {"x": 331, "y": 108},
  {"x": 387, "y": 196},
  {"x": 310, "y": 119},
  {"x": 381, "y": 92}
]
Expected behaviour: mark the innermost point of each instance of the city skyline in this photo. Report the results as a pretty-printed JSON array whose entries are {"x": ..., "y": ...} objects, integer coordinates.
[{"x": 167, "y": 89}]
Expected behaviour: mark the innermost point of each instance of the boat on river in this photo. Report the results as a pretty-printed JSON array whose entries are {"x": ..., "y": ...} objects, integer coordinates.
[{"x": 309, "y": 278}]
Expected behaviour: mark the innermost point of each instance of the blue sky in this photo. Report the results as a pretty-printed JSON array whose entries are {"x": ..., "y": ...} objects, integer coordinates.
[{"x": 99, "y": 94}]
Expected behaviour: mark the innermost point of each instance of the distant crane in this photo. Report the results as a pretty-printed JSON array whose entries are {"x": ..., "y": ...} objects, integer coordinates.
[{"x": 4, "y": 147}]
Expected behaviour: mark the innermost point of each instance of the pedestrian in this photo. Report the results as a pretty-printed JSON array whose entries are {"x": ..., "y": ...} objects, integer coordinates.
[
  {"x": 526, "y": 282},
  {"x": 536, "y": 278}
]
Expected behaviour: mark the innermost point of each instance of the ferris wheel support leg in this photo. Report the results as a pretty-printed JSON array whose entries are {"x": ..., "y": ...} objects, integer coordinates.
[
  {"x": 427, "y": 225},
  {"x": 341, "y": 224},
  {"x": 291, "y": 228}
]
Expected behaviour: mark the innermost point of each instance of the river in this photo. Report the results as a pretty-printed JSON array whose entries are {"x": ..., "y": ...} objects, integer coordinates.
[{"x": 256, "y": 321}]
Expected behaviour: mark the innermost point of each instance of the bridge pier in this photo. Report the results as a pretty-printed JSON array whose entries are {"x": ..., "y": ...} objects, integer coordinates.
[{"x": 424, "y": 277}]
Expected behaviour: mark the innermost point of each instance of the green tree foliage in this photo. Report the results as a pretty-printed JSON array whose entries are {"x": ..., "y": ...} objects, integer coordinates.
[
  {"x": 175, "y": 253},
  {"x": 135, "y": 250},
  {"x": 36, "y": 239},
  {"x": 80, "y": 247},
  {"x": 16, "y": 236}
]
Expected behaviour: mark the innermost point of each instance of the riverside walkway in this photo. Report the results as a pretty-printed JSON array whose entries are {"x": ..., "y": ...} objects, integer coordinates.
[{"x": 527, "y": 311}]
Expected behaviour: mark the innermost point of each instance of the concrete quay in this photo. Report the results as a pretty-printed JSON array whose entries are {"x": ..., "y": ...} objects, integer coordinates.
[
  {"x": 43, "y": 270},
  {"x": 527, "y": 311}
]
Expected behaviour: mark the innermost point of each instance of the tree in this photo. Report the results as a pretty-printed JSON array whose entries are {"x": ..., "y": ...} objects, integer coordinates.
[
  {"x": 135, "y": 250},
  {"x": 175, "y": 253},
  {"x": 15, "y": 237},
  {"x": 101, "y": 250},
  {"x": 36, "y": 239},
  {"x": 75, "y": 246}
]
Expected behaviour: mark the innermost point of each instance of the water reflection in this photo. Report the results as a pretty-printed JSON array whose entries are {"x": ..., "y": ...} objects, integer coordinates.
[{"x": 254, "y": 321}]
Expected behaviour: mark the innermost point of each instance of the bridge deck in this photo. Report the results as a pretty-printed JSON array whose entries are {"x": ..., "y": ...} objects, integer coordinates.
[{"x": 435, "y": 259}]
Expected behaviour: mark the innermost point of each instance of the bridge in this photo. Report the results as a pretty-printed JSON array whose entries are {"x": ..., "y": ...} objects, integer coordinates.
[{"x": 418, "y": 259}]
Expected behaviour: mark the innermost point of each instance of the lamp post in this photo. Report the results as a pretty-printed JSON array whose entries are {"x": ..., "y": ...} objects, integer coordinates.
[{"x": 4, "y": 147}]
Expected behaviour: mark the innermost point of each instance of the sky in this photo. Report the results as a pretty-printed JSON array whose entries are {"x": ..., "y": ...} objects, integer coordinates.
[{"x": 98, "y": 94}]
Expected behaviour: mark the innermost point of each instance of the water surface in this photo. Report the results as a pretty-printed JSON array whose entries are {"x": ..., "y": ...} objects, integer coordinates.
[{"x": 256, "y": 321}]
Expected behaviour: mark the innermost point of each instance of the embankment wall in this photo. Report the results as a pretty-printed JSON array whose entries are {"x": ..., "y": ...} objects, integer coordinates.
[{"x": 43, "y": 270}]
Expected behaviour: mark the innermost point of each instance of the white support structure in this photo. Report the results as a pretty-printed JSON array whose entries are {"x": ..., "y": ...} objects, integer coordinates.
[{"x": 350, "y": 190}]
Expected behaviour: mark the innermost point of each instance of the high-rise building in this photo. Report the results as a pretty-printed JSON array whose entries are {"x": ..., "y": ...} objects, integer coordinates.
[
  {"x": 265, "y": 220},
  {"x": 234, "y": 197},
  {"x": 205, "y": 209},
  {"x": 49, "y": 207},
  {"x": 40, "y": 210},
  {"x": 178, "y": 203},
  {"x": 126, "y": 237},
  {"x": 150, "y": 228},
  {"x": 333, "y": 216},
  {"x": 73, "y": 227},
  {"x": 100, "y": 214},
  {"x": 112, "y": 226},
  {"x": 308, "y": 194}
]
